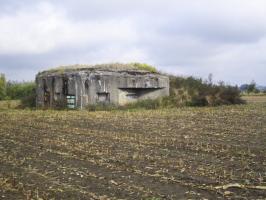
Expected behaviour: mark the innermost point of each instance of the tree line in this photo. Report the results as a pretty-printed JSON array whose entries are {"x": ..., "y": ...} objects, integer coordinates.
[
  {"x": 12, "y": 90},
  {"x": 252, "y": 88}
]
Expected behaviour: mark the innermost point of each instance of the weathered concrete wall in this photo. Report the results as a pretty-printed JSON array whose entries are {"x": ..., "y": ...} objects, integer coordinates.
[{"x": 92, "y": 87}]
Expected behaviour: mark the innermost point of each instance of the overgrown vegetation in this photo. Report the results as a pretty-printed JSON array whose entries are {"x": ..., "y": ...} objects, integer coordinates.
[
  {"x": 197, "y": 92},
  {"x": 23, "y": 91},
  {"x": 146, "y": 67},
  {"x": 108, "y": 66},
  {"x": 184, "y": 91},
  {"x": 19, "y": 90},
  {"x": 2, "y": 87}
]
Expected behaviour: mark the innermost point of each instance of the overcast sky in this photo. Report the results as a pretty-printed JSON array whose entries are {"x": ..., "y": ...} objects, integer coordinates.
[{"x": 186, "y": 37}]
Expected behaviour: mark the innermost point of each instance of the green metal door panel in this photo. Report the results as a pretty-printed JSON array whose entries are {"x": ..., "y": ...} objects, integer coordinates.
[{"x": 71, "y": 101}]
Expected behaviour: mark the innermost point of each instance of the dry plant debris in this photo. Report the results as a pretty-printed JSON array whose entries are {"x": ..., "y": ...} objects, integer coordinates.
[{"x": 188, "y": 153}]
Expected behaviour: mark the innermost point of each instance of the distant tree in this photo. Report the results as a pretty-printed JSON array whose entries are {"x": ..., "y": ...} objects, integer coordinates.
[
  {"x": 251, "y": 87},
  {"x": 244, "y": 87},
  {"x": 210, "y": 79},
  {"x": 2, "y": 87}
]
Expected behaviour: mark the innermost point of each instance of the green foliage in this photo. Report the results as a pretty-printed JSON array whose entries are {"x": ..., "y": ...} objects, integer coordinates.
[
  {"x": 249, "y": 88},
  {"x": 2, "y": 87},
  {"x": 196, "y": 92},
  {"x": 17, "y": 90},
  {"x": 188, "y": 91},
  {"x": 252, "y": 88},
  {"x": 29, "y": 101},
  {"x": 24, "y": 91},
  {"x": 144, "y": 66},
  {"x": 108, "y": 66}
]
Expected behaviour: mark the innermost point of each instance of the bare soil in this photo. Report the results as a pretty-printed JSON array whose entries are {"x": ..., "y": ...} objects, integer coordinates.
[{"x": 161, "y": 154}]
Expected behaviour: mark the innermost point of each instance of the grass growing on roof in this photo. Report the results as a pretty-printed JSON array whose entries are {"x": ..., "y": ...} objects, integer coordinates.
[
  {"x": 111, "y": 66},
  {"x": 146, "y": 67}
]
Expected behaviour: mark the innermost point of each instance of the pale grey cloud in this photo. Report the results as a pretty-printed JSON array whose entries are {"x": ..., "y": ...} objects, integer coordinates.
[{"x": 192, "y": 37}]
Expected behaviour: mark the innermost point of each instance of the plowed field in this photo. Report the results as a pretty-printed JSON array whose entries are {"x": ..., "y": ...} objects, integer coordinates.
[{"x": 188, "y": 153}]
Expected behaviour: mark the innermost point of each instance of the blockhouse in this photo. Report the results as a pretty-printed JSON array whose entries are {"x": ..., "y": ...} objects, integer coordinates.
[{"x": 80, "y": 86}]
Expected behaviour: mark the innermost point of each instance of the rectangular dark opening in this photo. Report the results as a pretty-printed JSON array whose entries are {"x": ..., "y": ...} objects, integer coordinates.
[
  {"x": 103, "y": 97},
  {"x": 135, "y": 93},
  {"x": 65, "y": 86}
]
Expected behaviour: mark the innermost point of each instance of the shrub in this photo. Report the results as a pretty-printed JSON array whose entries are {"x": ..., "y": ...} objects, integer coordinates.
[
  {"x": 19, "y": 90},
  {"x": 25, "y": 91},
  {"x": 29, "y": 101},
  {"x": 250, "y": 88},
  {"x": 196, "y": 92},
  {"x": 188, "y": 91},
  {"x": 2, "y": 87}
]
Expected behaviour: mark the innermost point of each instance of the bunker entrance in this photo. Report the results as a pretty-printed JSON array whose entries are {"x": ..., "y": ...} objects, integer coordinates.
[
  {"x": 131, "y": 95},
  {"x": 135, "y": 93}
]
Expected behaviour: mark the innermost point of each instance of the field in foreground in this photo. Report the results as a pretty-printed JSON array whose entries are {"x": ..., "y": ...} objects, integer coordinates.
[
  {"x": 254, "y": 98},
  {"x": 164, "y": 154}
]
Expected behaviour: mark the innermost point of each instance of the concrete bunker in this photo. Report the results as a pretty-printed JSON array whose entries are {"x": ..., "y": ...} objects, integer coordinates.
[{"x": 80, "y": 86}]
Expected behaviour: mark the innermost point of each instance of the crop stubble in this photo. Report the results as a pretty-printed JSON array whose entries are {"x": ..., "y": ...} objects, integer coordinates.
[{"x": 158, "y": 154}]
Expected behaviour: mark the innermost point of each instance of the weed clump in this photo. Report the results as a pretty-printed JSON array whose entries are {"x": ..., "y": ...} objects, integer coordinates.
[{"x": 146, "y": 67}]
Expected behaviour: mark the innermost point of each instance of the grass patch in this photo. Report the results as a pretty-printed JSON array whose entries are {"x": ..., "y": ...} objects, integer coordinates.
[
  {"x": 9, "y": 104},
  {"x": 145, "y": 67}
]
